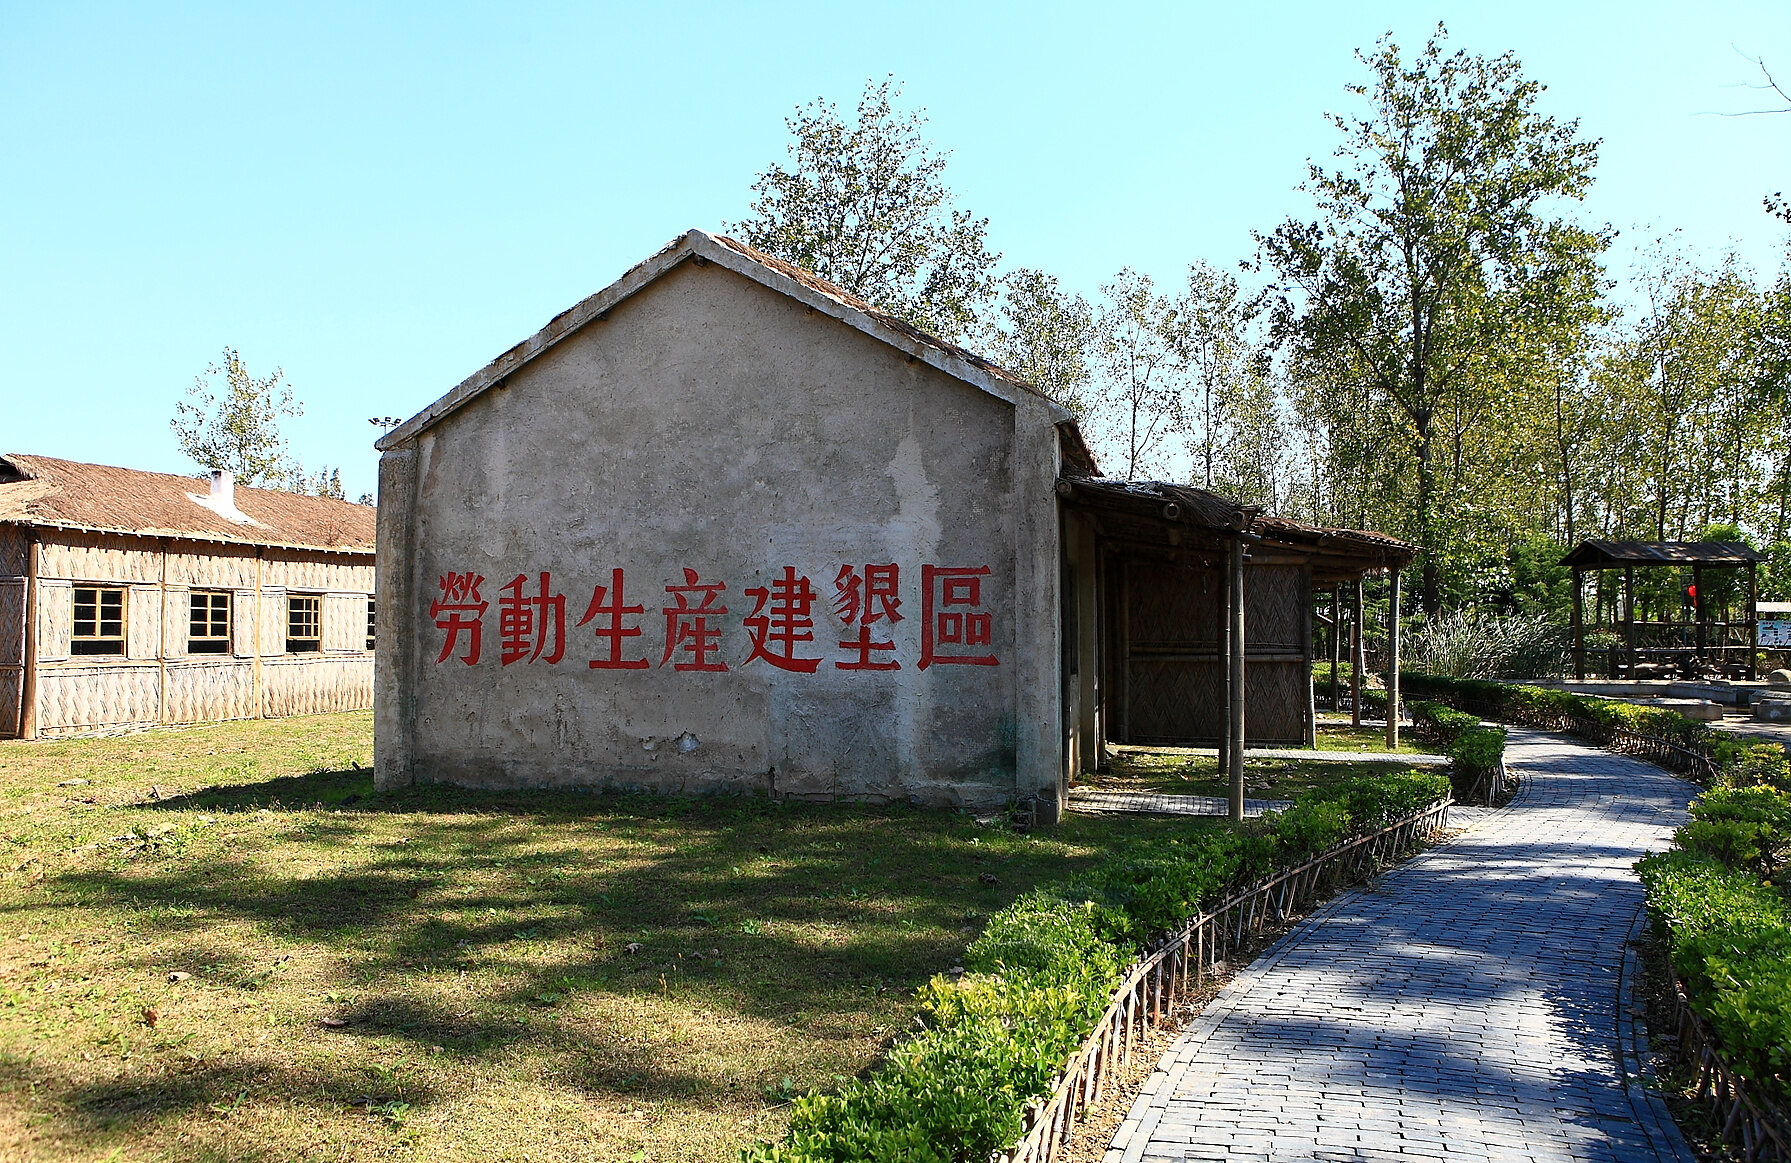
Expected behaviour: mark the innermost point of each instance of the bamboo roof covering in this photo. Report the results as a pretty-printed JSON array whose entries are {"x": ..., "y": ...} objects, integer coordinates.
[{"x": 1616, "y": 554}]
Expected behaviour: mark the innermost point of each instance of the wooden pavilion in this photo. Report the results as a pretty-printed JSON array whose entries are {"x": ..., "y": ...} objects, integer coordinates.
[
  {"x": 1690, "y": 646},
  {"x": 1189, "y": 618}
]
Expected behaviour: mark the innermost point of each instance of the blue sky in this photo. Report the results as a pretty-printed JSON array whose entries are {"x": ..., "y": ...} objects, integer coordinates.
[{"x": 381, "y": 198}]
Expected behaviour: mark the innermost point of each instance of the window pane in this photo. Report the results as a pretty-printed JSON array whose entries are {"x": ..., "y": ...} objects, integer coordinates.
[{"x": 99, "y": 621}]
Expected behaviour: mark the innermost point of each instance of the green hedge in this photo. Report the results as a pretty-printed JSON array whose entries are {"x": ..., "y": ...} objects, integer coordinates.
[
  {"x": 1042, "y": 973},
  {"x": 1731, "y": 934},
  {"x": 1516, "y": 703},
  {"x": 1474, "y": 751},
  {"x": 1731, "y": 943}
]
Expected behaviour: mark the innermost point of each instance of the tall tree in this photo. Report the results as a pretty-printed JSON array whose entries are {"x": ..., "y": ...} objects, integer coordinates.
[
  {"x": 1138, "y": 400},
  {"x": 864, "y": 205},
  {"x": 1434, "y": 244},
  {"x": 1215, "y": 352},
  {"x": 235, "y": 424},
  {"x": 1684, "y": 375},
  {"x": 1045, "y": 335}
]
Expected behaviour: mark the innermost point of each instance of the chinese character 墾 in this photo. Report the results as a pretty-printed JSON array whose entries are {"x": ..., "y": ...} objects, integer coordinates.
[{"x": 860, "y": 600}]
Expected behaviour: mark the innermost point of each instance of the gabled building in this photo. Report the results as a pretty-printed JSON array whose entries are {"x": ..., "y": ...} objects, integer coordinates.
[
  {"x": 723, "y": 526},
  {"x": 131, "y": 599}
]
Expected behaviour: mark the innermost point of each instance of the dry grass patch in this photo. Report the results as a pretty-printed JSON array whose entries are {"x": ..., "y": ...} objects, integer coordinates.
[{"x": 220, "y": 944}]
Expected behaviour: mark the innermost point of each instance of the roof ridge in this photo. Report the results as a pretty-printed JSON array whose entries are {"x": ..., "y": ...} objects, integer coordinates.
[{"x": 775, "y": 274}]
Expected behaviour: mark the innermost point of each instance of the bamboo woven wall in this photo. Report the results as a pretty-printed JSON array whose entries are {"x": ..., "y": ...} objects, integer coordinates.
[
  {"x": 1168, "y": 672},
  {"x": 156, "y": 680}
]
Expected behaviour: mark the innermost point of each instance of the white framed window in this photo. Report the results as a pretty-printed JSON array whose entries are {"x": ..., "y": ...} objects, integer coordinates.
[
  {"x": 208, "y": 623},
  {"x": 372, "y": 621},
  {"x": 99, "y": 620},
  {"x": 304, "y": 623}
]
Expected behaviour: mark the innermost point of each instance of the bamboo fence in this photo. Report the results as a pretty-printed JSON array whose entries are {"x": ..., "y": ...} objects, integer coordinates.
[
  {"x": 1674, "y": 757},
  {"x": 1184, "y": 959},
  {"x": 1746, "y": 1121}
]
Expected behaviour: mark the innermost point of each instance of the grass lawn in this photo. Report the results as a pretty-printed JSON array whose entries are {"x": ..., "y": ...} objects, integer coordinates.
[
  {"x": 1343, "y": 737},
  {"x": 1184, "y": 771},
  {"x": 219, "y": 944}
]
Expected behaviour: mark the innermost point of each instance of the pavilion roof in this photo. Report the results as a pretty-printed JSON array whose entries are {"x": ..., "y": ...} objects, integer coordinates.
[{"x": 1611, "y": 554}]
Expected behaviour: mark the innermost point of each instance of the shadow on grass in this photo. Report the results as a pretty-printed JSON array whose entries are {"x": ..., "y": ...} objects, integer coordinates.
[
  {"x": 809, "y": 917},
  {"x": 130, "y": 1101}
]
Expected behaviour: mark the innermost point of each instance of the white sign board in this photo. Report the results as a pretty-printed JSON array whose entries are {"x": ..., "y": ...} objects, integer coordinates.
[{"x": 1775, "y": 632}]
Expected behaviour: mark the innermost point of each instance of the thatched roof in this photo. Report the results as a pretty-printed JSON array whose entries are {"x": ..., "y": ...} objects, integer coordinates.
[
  {"x": 1611, "y": 554},
  {"x": 49, "y": 493}
]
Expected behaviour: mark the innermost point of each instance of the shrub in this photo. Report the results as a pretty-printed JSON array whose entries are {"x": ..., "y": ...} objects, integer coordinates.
[
  {"x": 1756, "y": 765},
  {"x": 1042, "y": 973},
  {"x": 1743, "y": 827},
  {"x": 1537, "y": 706},
  {"x": 1731, "y": 944},
  {"x": 1470, "y": 644}
]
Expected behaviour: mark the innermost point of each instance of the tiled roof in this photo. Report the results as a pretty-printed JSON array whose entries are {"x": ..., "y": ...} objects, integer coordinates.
[
  {"x": 846, "y": 298},
  {"x": 68, "y": 494}
]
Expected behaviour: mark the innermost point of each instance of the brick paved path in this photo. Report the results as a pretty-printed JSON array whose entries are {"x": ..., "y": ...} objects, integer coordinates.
[
  {"x": 1164, "y": 804},
  {"x": 1466, "y": 1007}
]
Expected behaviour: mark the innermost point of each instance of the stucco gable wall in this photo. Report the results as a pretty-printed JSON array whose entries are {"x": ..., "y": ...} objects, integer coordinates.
[{"x": 709, "y": 423}]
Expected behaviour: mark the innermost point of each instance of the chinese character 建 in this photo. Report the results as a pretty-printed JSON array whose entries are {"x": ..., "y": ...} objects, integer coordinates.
[{"x": 789, "y": 621}]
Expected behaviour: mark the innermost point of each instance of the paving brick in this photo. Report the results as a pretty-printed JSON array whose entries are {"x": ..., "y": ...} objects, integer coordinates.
[{"x": 1466, "y": 1007}]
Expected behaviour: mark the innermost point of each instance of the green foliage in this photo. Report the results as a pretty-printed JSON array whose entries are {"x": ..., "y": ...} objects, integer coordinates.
[
  {"x": 1474, "y": 751},
  {"x": 1731, "y": 944},
  {"x": 1517, "y": 703},
  {"x": 1473, "y": 644},
  {"x": 237, "y": 426},
  {"x": 1435, "y": 275},
  {"x": 1744, "y": 827},
  {"x": 1046, "y": 336},
  {"x": 864, "y": 206},
  {"x": 1757, "y": 765},
  {"x": 1042, "y": 973}
]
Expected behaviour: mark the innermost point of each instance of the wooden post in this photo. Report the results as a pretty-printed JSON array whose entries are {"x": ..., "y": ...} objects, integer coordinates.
[
  {"x": 1356, "y": 651},
  {"x": 1225, "y": 646},
  {"x": 1393, "y": 661},
  {"x": 1753, "y": 623},
  {"x": 1629, "y": 618},
  {"x": 28, "y": 677},
  {"x": 1336, "y": 652},
  {"x": 1579, "y": 623},
  {"x": 1696, "y": 610},
  {"x": 1310, "y": 653},
  {"x": 1237, "y": 680}
]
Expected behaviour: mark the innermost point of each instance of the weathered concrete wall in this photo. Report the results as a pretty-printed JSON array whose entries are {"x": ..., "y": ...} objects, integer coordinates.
[
  {"x": 156, "y": 680},
  {"x": 710, "y": 424}
]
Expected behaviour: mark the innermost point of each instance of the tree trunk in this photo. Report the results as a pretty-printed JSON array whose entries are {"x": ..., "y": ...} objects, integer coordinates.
[{"x": 1429, "y": 584}]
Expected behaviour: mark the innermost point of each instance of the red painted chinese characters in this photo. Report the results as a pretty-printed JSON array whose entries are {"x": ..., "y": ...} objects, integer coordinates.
[{"x": 956, "y": 624}]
